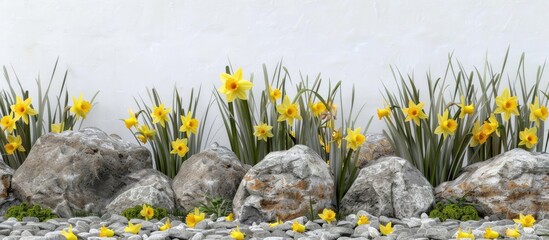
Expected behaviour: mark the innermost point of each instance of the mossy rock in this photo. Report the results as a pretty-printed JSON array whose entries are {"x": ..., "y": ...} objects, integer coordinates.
[
  {"x": 135, "y": 212},
  {"x": 454, "y": 211},
  {"x": 25, "y": 210}
]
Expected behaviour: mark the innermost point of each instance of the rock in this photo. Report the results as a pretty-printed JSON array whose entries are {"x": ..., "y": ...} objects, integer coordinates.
[
  {"x": 389, "y": 186},
  {"x": 376, "y": 146},
  {"x": 145, "y": 186},
  {"x": 282, "y": 185},
  {"x": 215, "y": 172},
  {"x": 77, "y": 171},
  {"x": 6, "y": 173},
  {"x": 514, "y": 182}
]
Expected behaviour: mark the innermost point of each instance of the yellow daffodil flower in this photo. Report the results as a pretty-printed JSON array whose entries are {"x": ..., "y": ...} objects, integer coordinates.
[
  {"x": 193, "y": 218},
  {"x": 147, "y": 212},
  {"x": 414, "y": 112},
  {"x": 131, "y": 121},
  {"x": 263, "y": 131},
  {"x": 383, "y": 112},
  {"x": 167, "y": 225},
  {"x": 288, "y": 111},
  {"x": 145, "y": 133},
  {"x": 105, "y": 232},
  {"x": 490, "y": 234},
  {"x": 465, "y": 109},
  {"x": 230, "y": 217},
  {"x": 14, "y": 143},
  {"x": 337, "y": 136},
  {"x": 8, "y": 123},
  {"x": 234, "y": 86},
  {"x": 446, "y": 126},
  {"x": 506, "y": 104},
  {"x": 274, "y": 94},
  {"x": 387, "y": 229},
  {"x": 133, "y": 228},
  {"x": 479, "y": 135},
  {"x": 327, "y": 215},
  {"x": 318, "y": 108},
  {"x": 160, "y": 114},
  {"x": 465, "y": 235},
  {"x": 57, "y": 127},
  {"x": 296, "y": 227},
  {"x": 538, "y": 113},
  {"x": 188, "y": 124},
  {"x": 22, "y": 109},
  {"x": 363, "y": 219},
  {"x": 525, "y": 221},
  {"x": 354, "y": 138},
  {"x": 179, "y": 147},
  {"x": 80, "y": 107},
  {"x": 69, "y": 235},
  {"x": 512, "y": 233},
  {"x": 491, "y": 125},
  {"x": 278, "y": 222},
  {"x": 528, "y": 137},
  {"x": 237, "y": 234}
]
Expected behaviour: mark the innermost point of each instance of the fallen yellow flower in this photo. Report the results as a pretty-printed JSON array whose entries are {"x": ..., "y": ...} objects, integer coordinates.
[
  {"x": 327, "y": 215},
  {"x": 237, "y": 234},
  {"x": 69, "y": 235},
  {"x": 490, "y": 234},
  {"x": 363, "y": 219},
  {"x": 133, "y": 228},
  {"x": 167, "y": 225},
  {"x": 105, "y": 232},
  {"x": 512, "y": 233},
  {"x": 525, "y": 221},
  {"x": 387, "y": 229},
  {"x": 296, "y": 227},
  {"x": 147, "y": 212}
]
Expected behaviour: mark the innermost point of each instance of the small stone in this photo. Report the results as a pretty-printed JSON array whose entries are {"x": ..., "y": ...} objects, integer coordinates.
[
  {"x": 346, "y": 232},
  {"x": 118, "y": 218},
  {"x": 437, "y": 233},
  {"x": 310, "y": 226},
  {"x": 202, "y": 225},
  {"x": 198, "y": 236},
  {"x": 30, "y": 219},
  {"x": 26, "y": 233},
  {"x": 346, "y": 224},
  {"x": 372, "y": 232},
  {"x": 424, "y": 216},
  {"x": 528, "y": 230},
  {"x": 261, "y": 234},
  {"x": 136, "y": 237}
]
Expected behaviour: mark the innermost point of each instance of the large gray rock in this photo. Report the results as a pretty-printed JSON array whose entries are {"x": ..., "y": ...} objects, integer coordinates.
[
  {"x": 215, "y": 172},
  {"x": 282, "y": 185},
  {"x": 514, "y": 182},
  {"x": 389, "y": 186},
  {"x": 77, "y": 170},
  {"x": 6, "y": 173},
  {"x": 145, "y": 186},
  {"x": 376, "y": 146}
]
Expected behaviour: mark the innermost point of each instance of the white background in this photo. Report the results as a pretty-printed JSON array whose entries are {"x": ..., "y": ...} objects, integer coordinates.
[{"x": 123, "y": 47}]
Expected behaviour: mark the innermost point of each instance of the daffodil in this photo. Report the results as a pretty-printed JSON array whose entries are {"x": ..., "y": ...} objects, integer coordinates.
[
  {"x": 133, "y": 228},
  {"x": 446, "y": 126},
  {"x": 58, "y": 127},
  {"x": 179, "y": 147},
  {"x": 234, "y": 86},
  {"x": 278, "y": 222},
  {"x": 538, "y": 113},
  {"x": 230, "y": 217},
  {"x": 22, "y": 109},
  {"x": 237, "y": 234},
  {"x": 363, "y": 219},
  {"x": 414, "y": 112},
  {"x": 167, "y": 225},
  {"x": 479, "y": 135},
  {"x": 525, "y": 221},
  {"x": 288, "y": 111},
  {"x": 354, "y": 138},
  {"x": 318, "y": 108},
  {"x": 465, "y": 109},
  {"x": 188, "y": 124},
  {"x": 327, "y": 215},
  {"x": 193, "y": 218},
  {"x": 145, "y": 133},
  {"x": 80, "y": 107},
  {"x": 160, "y": 114},
  {"x": 528, "y": 137},
  {"x": 296, "y": 227},
  {"x": 506, "y": 104},
  {"x": 147, "y": 212},
  {"x": 263, "y": 131},
  {"x": 465, "y": 235},
  {"x": 491, "y": 125},
  {"x": 337, "y": 136},
  {"x": 274, "y": 94},
  {"x": 387, "y": 229},
  {"x": 69, "y": 235},
  {"x": 490, "y": 234},
  {"x": 383, "y": 112},
  {"x": 512, "y": 233},
  {"x": 105, "y": 232},
  {"x": 14, "y": 143},
  {"x": 131, "y": 121},
  {"x": 8, "y": 123}
]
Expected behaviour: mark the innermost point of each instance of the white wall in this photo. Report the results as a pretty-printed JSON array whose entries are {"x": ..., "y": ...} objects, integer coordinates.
[{"x": 122, "y": 47}]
